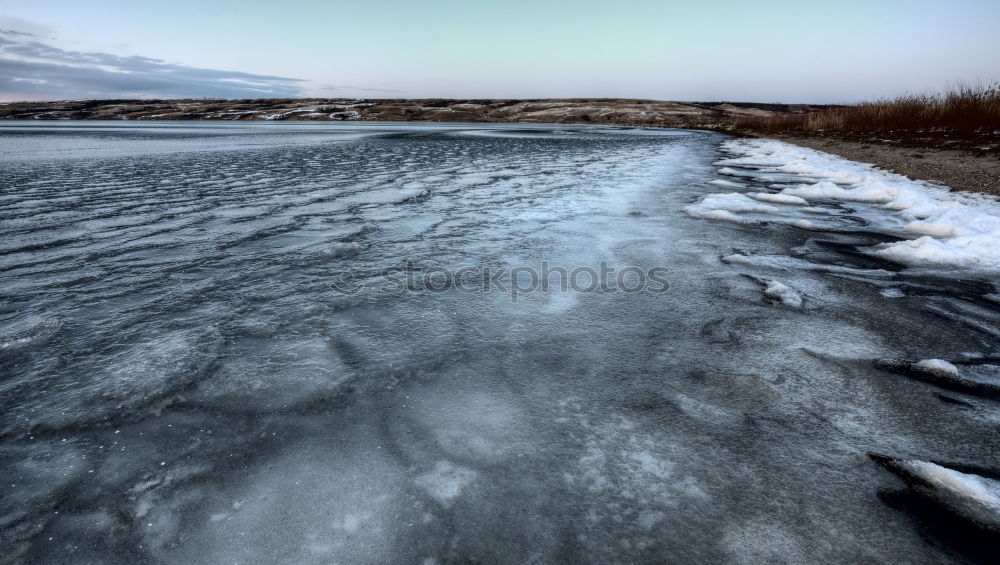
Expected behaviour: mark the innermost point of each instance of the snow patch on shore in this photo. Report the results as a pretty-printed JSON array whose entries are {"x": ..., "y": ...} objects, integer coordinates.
[{"x": 956, "y": 229}]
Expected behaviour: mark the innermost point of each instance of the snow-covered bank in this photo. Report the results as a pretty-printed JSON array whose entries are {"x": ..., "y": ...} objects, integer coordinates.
[{"x": 942, "y": 229}]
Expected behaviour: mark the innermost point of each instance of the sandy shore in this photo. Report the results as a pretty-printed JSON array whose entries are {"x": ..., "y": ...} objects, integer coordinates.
[{"x": 958, "y": 169}]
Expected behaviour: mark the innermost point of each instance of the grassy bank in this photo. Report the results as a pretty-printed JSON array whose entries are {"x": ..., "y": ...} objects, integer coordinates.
[{"x": 964, "y": 112}]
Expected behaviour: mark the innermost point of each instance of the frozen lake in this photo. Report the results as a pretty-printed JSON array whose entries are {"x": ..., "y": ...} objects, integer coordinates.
[{"x": 207, "y": 354}]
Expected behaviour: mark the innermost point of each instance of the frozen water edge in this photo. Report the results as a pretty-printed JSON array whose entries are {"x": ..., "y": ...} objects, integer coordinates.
[{"x": 955, "y": 229}]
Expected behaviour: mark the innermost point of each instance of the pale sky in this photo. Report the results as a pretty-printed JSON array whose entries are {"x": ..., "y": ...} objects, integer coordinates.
[{"x": 764, "y": 51}]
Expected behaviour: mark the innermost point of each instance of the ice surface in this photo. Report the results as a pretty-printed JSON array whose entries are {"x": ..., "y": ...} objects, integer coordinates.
[
  {"x": 27, "y": 332},
  {"x": 471, "y": 421},
  {"x": 255, "y": 376},
  {"x": 129, "y": 378},
  {"x": 310, "y": 505},
  {"x": 782, "y": 262},
  {"x": 183, "y": 382},
  {"x": 445, "y": 482}
]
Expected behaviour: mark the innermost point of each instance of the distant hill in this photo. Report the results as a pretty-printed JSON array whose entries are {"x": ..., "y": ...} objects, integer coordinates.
[{"x": 559, "y": 110}]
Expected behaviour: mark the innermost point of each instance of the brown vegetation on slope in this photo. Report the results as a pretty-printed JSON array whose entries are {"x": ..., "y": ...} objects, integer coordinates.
[
  {"x": 605, "y": 111},
  {"x": 963, "y": 117}
]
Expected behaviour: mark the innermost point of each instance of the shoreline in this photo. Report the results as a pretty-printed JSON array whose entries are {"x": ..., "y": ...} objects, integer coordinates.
[
  {"x": 958, "y": 169},
  {"x": 960, "y": 164}
]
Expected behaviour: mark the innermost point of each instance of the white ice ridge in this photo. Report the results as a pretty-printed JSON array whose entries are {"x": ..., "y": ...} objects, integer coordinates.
[
  {"x": 726, "y": 183},
  {"x": 951, "y": 229},
  {"x": 970, "y": 495},
  {"x": 784, "y": 293},
  {"x": 939, "y": 366},
  {"x": 779, "y": 198},
  {"x": 721, "y": 206}
]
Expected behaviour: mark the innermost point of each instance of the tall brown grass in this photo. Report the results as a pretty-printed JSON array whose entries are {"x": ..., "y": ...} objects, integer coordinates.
[{"x": 963, "y": 110}]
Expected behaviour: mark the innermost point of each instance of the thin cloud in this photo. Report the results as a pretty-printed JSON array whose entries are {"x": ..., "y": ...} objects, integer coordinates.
[
  {"x": 363, "y": 89},
  {"x": 32, "y": 70},
  {"x": 16, "y": 33},
  {"x": 326, "y": 90}
]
